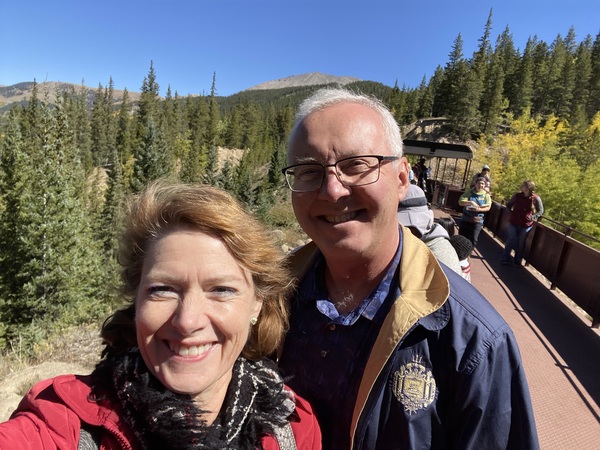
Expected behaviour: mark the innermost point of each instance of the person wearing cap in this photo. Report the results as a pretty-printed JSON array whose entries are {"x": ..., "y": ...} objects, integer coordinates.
[
  {"x": 415, "y": 214},
  {"x": 475, "y": 201},
  {"x": 392, "y": 349},
  {"x": 485, "y": 173}
]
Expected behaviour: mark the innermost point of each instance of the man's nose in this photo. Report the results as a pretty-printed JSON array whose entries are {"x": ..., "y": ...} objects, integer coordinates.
[{"x": 332, "y": 188}]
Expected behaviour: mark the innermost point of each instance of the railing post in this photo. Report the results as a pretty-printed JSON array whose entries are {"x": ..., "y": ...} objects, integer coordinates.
[{"x": 559, "y": 263}]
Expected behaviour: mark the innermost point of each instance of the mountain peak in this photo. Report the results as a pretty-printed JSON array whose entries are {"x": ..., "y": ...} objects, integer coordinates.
[{"x": 307, "y": 79}]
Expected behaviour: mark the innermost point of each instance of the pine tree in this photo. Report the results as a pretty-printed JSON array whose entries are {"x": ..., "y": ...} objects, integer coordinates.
[
  {"x": 509, "y": 57},
  {"x": 55, "y": 270},
  {"x": 113, "y": 216},
  {"x": 211, "y": 135},
  {"x": 492, "y": 106},
  {"x": 124, "y": 139},
  {"x": 594, "y": 101},
  {"x": 481, "y": 62},
  {"x": 14, "y": 182},
  {"x": 583, "y": 75},
  {"x": 542, "y": 102},
  {"x": 102, "y": 126},
  {"x": 425, "y": 108},
  {"x": 523, "y": 98},
  {"x": 233, "y": 131},
  {"x": 152, "y": 160},
  {"x": 460, "y": 87}
]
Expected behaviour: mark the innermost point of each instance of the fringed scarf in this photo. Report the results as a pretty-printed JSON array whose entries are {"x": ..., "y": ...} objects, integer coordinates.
[{"x": 256, "y": 405}]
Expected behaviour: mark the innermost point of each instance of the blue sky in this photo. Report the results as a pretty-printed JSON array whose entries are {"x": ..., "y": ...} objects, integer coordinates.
[{"x": 248, "y": 42}]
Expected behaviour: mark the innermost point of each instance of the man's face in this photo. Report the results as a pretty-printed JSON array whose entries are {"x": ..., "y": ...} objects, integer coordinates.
[{"x": 350, "y": 221}]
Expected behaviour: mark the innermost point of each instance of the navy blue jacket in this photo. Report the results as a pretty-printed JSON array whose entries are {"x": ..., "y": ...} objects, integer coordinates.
[{"x": 445, "y": 370}]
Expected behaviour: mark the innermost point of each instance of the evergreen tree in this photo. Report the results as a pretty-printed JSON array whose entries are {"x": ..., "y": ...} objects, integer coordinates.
[
  {"x": 542, "y": 97},
  {"x": 583, "y": 75},
  {"x": 437, "y": 85},
  {"x": 195, "y": 159},
  {"x": 425, "y": 108},
  {"x": 210, "y": 172},
  {"x": 14, "y": 183},
  {"x": 211, "y": 135},
  {"x": 103, "y": 135},
  {"x": 481, "y": 61},
  {"x": 461, "y": 87},
  {"x": 233, "y": 131},
  {"x": 508, "y": 56},
  {"x": 113, "y": 213},
  {"x": 56, "y": 274},
  {"x": 523, "y": 99},
  {"x": 77, "y": 109},
  {"x": 152, "y": 160},
  {"x": 395, "y": 103},
  {"x": 493, "y": 100},
  {"x": 594, "y": 96},
  {"x": 124, "y": 138},
  {"x": 561, "y": 78}
]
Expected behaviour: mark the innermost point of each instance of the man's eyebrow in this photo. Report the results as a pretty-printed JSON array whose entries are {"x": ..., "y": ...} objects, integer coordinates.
[{"x": 306, "y": 159}]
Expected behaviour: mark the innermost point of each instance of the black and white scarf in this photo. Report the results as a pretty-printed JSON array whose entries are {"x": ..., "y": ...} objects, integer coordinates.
[{"x": 256, "y": 404}]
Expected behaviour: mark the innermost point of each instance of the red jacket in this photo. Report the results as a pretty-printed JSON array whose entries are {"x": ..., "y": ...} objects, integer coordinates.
[{"x": 50, "y": 416}]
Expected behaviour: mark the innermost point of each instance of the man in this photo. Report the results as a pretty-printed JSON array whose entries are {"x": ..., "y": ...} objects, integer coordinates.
[
  {"x": 415, "y": 214},
  {"x": 392, "y": 350},
  {"x": 485, "y": 173},
  {"x": 475, "y": 202}
]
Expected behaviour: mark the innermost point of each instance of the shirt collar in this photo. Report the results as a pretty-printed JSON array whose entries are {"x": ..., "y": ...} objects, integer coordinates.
[{"x": 313, "y": 288}]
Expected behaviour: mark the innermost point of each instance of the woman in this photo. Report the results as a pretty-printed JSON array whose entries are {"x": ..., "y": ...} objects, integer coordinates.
[
  {"x": 525, "y": 207},
  {"x": 184, "y": 364},
  {"x": 476, "y": 202}
]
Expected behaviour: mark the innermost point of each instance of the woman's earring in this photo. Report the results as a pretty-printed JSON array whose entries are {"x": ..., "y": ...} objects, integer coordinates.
[{"x": 253, "y": 321}]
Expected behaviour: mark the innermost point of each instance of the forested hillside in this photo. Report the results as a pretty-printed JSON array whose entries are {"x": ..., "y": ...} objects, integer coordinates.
[{"x": 66, "y": 167}]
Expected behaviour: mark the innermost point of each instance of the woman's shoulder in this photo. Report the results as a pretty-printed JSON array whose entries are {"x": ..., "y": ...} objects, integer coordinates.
[
  {"x": 306, "y": 428},
  {"x": 43, "y": 417}
]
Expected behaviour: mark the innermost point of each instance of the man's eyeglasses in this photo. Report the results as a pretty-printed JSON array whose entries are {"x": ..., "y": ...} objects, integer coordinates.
[{"x": 352, "y": 171}]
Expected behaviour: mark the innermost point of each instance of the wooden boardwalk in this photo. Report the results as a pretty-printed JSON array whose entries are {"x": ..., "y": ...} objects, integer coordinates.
[{"x": 560, "y": 350}]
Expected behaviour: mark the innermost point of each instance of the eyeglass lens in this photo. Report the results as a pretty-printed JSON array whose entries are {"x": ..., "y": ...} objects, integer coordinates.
[{"x": 355, "y": 171}]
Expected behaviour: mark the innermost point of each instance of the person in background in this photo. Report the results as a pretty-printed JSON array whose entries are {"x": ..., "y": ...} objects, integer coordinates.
[
  {"x": 475, "y": 201},
  {"x": 415, "y": 214},
  {"x": 463, "y": 248},
  {"x": 447, "y": 223},
  {"x": 184, "y": 363},
  {"x": 423, "y": 174},
  {"x": 485, "y": 173},
  {"x": 411, "y": 175},
  {"x": 384, "y": 341},
  {"x": 525, "y": 207}
]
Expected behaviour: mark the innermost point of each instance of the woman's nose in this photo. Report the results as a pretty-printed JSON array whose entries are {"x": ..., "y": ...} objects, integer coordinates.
[{"x": 191, "y": 314}]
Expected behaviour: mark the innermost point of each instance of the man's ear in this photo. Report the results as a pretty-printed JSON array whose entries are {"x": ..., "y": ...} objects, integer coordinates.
[{"x": 404, "y": 180}]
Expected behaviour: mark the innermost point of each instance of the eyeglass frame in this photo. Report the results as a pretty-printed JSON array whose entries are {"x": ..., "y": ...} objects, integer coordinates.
[{"x": 380, "y": 159}]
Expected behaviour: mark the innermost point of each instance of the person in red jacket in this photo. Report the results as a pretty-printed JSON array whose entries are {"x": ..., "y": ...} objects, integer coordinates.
[
  {"x": 525, "y": 208},
  {"x": 185, "y": 363}
]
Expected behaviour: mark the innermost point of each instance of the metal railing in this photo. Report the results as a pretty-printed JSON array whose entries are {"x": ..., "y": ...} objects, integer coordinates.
[{"x": 568, "y": 264}]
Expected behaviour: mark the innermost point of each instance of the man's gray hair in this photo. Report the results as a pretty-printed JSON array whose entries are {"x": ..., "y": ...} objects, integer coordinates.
[{"x": 326, "y": 97}]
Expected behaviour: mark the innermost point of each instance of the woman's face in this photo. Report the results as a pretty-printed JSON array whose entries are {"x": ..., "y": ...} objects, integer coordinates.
[{"x": 193, "y": 310}]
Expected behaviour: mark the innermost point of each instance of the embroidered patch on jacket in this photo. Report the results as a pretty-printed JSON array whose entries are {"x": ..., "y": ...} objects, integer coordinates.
[{"x": 414, "y": 386}]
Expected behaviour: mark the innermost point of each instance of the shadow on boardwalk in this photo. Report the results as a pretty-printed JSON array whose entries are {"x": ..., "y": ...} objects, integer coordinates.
[{"x": 558, "y": 328}]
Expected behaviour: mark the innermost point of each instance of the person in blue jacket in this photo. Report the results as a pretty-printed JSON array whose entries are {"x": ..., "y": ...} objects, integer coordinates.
[{"x": 393, "y": 350}]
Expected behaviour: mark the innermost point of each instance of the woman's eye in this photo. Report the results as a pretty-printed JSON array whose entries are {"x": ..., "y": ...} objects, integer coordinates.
[
  {"x": 224, "y": 290},
  {"x": 161, "y": 291}
]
